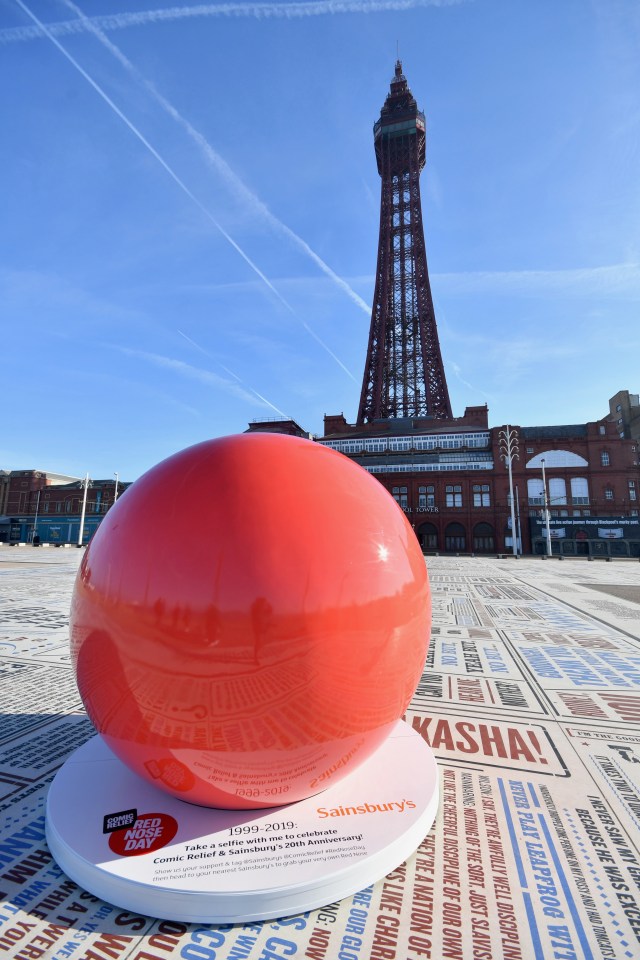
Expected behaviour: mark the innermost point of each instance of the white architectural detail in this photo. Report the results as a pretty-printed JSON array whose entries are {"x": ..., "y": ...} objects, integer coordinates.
[{"x": 556, "y": 458}]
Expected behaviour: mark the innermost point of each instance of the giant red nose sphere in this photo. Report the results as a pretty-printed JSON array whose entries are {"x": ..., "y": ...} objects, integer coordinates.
[{"x": 250, "y": 620}]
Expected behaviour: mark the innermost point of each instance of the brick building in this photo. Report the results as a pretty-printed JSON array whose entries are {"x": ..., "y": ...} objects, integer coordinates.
[
  {"x": 452, "y": 482},
  {"x": 48, "y": 506}
]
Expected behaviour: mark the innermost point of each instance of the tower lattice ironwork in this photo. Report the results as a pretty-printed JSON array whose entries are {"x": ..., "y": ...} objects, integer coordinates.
[{"x": 404, "y": 374}]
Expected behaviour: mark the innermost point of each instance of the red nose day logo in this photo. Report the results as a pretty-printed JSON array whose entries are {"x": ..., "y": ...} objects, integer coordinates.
[{"x": 150, "y": 832}]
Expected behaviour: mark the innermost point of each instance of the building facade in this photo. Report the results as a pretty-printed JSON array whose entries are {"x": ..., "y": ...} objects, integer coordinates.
[
  {"x": 46, "y": 507},
  {"x": 452, "y": 481}
]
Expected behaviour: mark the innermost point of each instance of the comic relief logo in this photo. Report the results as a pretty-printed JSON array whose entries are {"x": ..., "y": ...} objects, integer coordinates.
[
  {"x": 150, "y": 832},
  {"x": 115, "y": 821}
]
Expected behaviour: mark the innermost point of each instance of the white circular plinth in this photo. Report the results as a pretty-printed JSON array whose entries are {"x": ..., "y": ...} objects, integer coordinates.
[{"x": 226, "y": 866}]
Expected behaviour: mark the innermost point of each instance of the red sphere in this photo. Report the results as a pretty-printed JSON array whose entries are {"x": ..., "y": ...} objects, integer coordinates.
[{"x": 250, "y": 620}]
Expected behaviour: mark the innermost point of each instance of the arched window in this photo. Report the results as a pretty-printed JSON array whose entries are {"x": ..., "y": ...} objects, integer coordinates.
[
  {"x": 579, "y": 490},
  {"x": 608, "y": 493},
  {"x": 535, "y": 491},
  {"x": 455, "y": 538},
  {"x": 556, "y": 458},
  {"x": 557, "y": 490},
  {"x": 428, "y": 536},
  {"x": 483, "y": 538},
  {"x": 604, "y": 458}
]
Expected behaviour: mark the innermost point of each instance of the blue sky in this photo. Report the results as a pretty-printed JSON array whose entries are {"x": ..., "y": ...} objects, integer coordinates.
[{"x": 190, "y": 210}]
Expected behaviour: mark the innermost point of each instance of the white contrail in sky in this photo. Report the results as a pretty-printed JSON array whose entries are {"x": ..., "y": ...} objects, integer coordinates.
[
  {"x": 197, "y": 373},
  {"x": 255, "y": 11},
  {"x": 193, "y": 373},
  {"x": 155, "y": 153},
  {"x": 180, "y": 183},
  {"x": 232, "y": 374},
  {"x": 213, "y": 157}
]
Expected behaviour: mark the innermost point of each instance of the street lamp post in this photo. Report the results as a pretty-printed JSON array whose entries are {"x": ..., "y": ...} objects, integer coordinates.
[
  {"x": 85, "y": 483},
  {"x": 546, "y": 509},
  {"x": 508, "y": 440},
  {"x": 35, "y": 519}
]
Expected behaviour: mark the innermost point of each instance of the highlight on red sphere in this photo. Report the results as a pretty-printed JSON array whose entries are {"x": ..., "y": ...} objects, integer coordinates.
[{"x": 250, "y": 621}]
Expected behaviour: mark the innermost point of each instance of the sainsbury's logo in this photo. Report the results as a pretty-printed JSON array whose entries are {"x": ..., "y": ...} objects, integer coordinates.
[{"x": 394, "y": 806}]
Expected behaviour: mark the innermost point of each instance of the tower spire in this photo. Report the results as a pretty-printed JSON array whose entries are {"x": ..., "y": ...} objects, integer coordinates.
[{"x": 404, "y": 374}]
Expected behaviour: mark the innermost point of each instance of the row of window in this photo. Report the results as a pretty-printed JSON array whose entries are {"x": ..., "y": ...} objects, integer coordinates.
[
  {"x": 453, "y": 441},
  {"x": 557, "y": 491},
  {"x": 447, "y": 466},
  {"x": 455, "y": 537},
  {"x": 481, "y": 495},
  {"x": 74, "y": 506}
]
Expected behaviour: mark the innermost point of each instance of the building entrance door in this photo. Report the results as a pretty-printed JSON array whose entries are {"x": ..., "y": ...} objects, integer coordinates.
[
  {"x": 455, "y": 538},
  {"x": 428, "y": 536}
]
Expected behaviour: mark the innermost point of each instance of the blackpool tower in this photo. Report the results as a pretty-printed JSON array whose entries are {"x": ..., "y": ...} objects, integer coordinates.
[{"x": 404, "y": 374}]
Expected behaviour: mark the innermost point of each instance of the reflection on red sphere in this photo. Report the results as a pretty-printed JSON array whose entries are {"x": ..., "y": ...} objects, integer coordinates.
[{"x": 250, "y": 620}]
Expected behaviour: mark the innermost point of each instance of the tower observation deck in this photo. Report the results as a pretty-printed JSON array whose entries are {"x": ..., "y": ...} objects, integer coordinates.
[{"x": 404, "y": 374}]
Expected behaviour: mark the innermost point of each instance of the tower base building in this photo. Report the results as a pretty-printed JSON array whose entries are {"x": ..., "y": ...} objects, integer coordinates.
[{"x": 451, "y": 478}]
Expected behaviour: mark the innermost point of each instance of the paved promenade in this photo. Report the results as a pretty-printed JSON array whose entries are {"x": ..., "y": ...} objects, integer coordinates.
[{"x": 530, "y": 701}]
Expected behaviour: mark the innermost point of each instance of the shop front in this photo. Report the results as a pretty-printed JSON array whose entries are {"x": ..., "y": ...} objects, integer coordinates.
[{"x": 586, "y": 536}]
